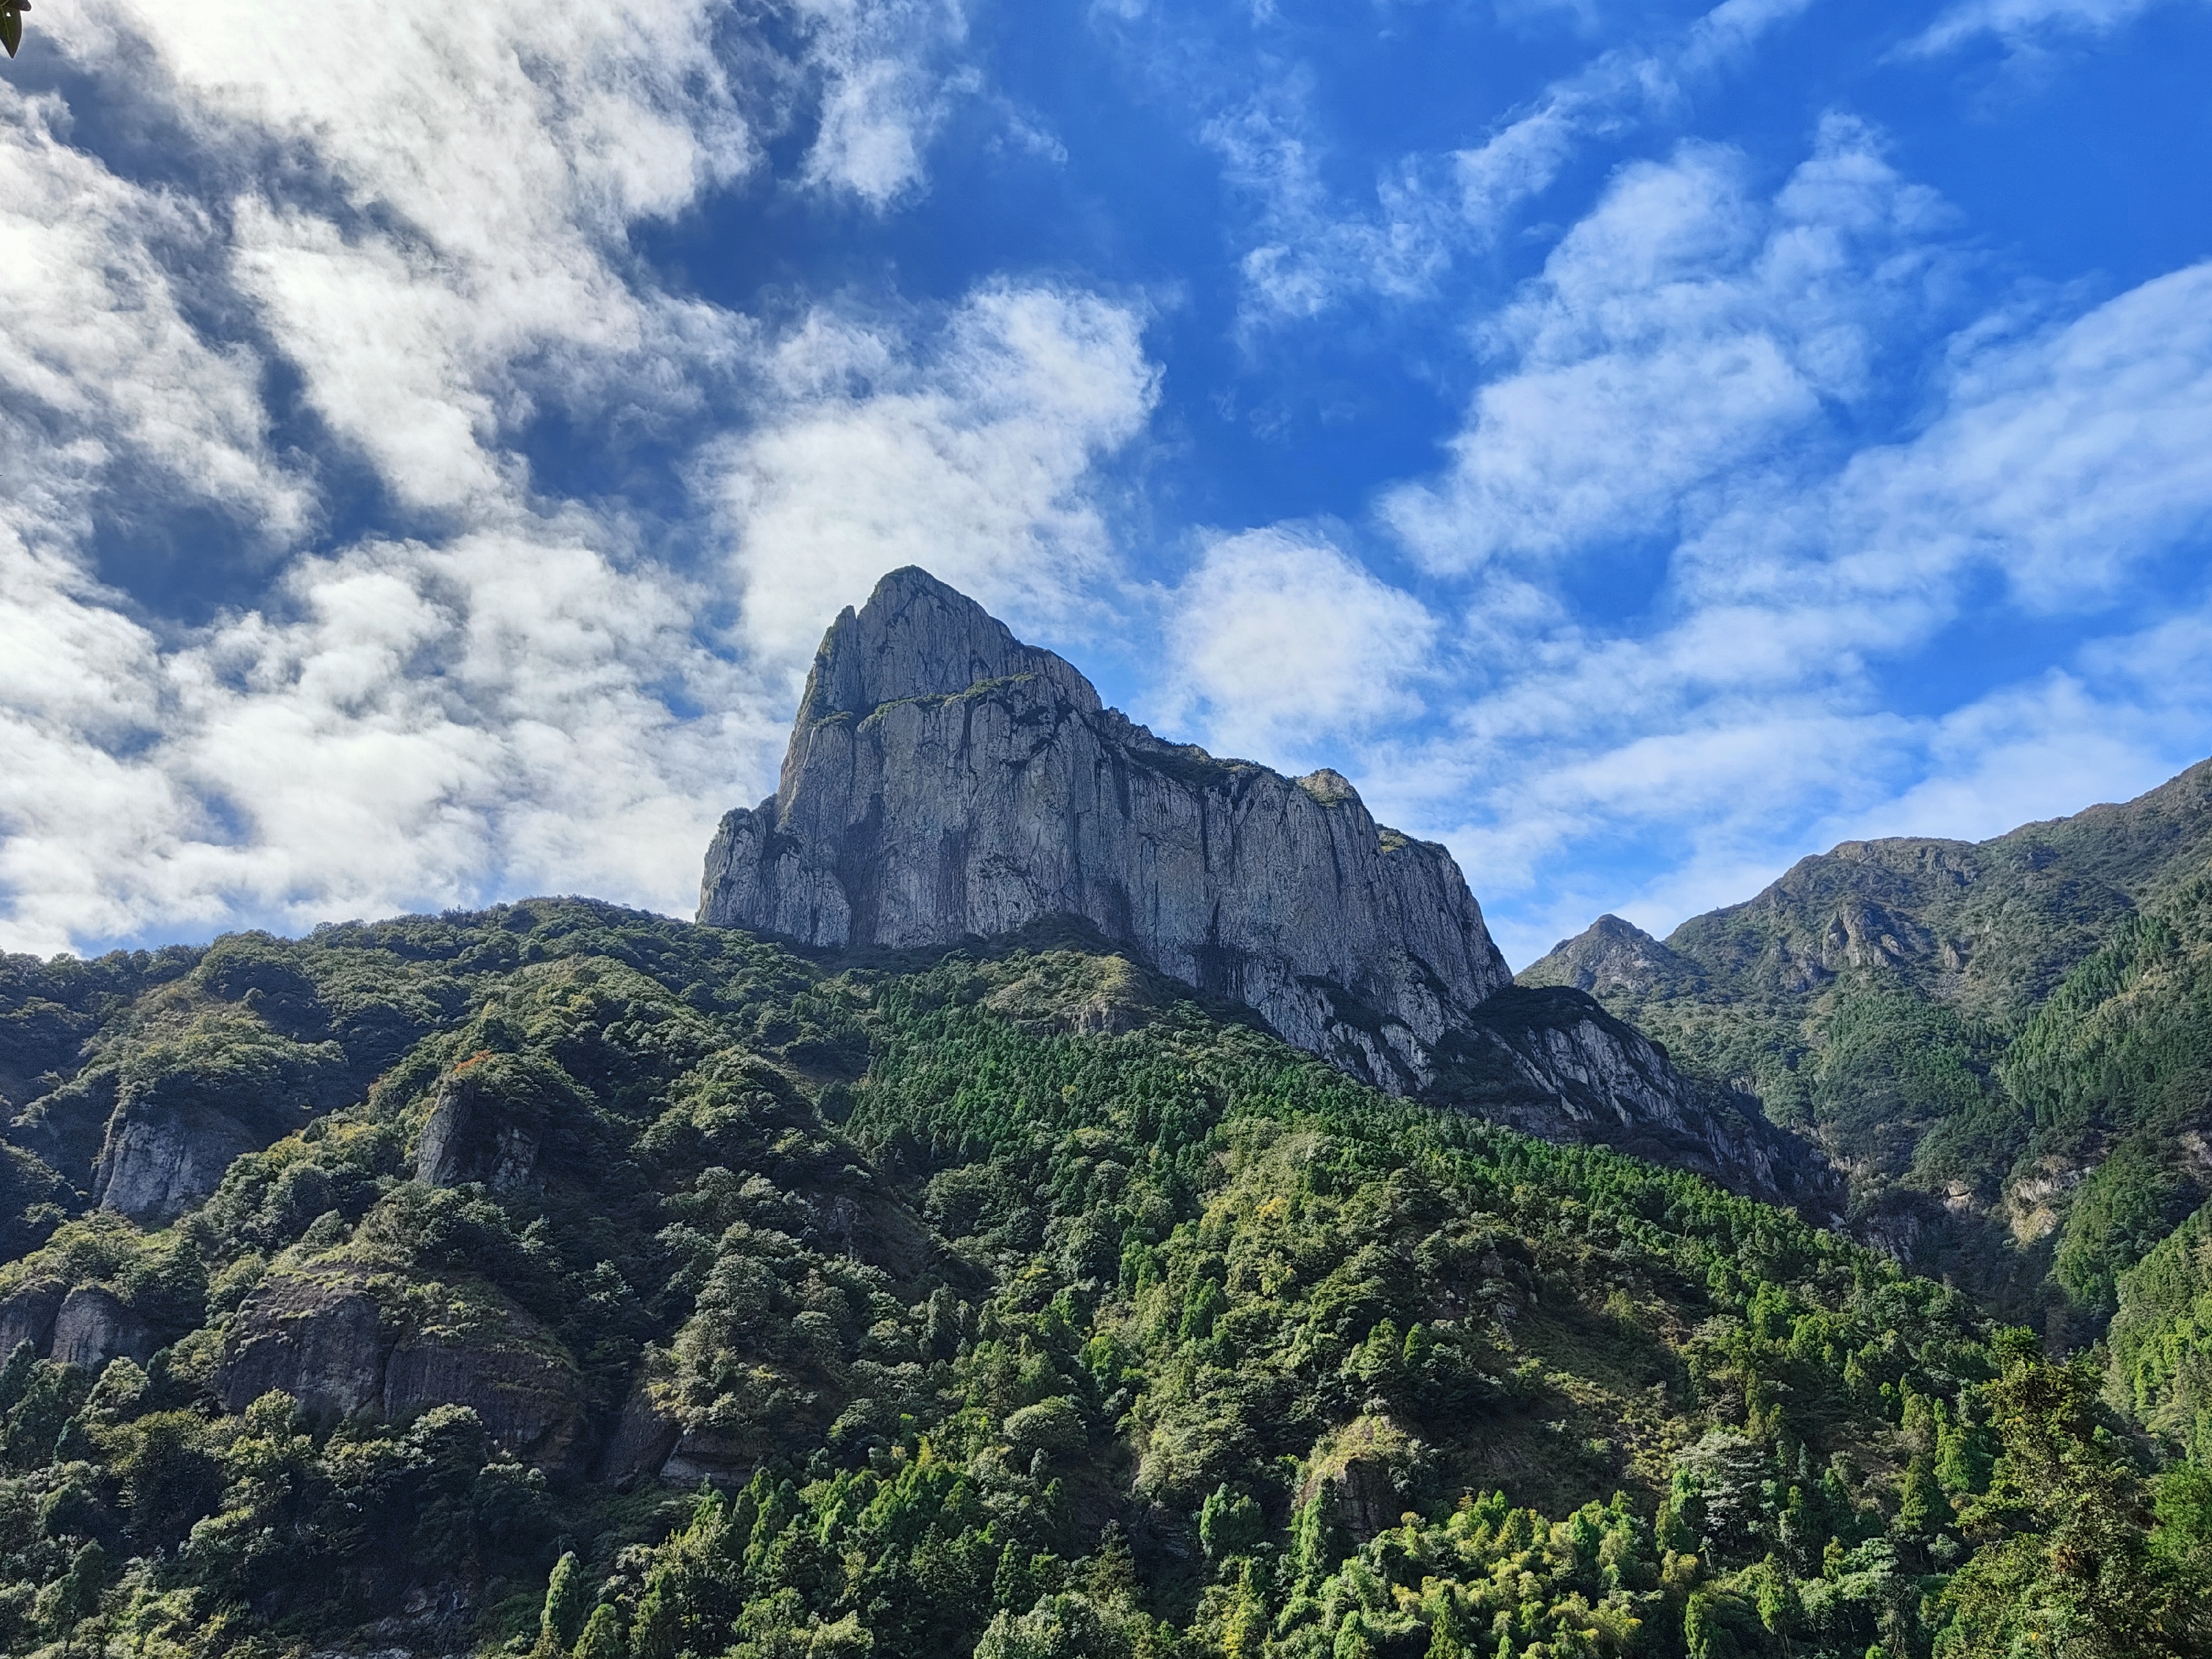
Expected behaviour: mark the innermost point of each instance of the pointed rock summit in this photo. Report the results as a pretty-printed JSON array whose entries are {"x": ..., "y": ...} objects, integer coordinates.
[
  {"x": 1611, "y": 955},
  {"x": 945, "y": 780}
]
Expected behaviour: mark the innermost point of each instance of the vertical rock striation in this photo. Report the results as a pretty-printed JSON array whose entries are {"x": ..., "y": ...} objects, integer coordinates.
[{"x": 944, "y": 781}]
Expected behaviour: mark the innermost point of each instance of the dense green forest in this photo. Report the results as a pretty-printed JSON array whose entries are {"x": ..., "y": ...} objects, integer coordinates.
[
  {"x": 595, "y": 1283},
  {"x": 2009, "y": 1044}
]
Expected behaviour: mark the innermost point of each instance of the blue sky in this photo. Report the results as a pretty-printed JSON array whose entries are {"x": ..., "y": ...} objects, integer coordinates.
[{"x": 1638, "y": 444}]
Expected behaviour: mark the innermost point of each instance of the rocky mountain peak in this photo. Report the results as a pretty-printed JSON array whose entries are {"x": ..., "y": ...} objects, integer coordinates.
[
  {"x": 945, "y": 781},
  {"x": 1609, "y": 955},
  {"x": 1330, "y": 789},
  {"x": 917, "y": 637}
]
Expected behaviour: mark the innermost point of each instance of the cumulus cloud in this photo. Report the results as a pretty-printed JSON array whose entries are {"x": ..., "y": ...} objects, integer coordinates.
[
  {"x": 424, "y": 722},
  {"x": 511, "y": 692},
  {"x": 1278, "y": 642},
  {"x": 1681, "y": 331},
  {"x": 967, "y": 455},
  {"x": 1707, "y": 724}
]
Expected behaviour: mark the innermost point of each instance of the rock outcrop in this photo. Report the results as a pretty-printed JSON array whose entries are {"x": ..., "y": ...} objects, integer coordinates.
[
  {"x": 93, "y": 1327},
  {"x": 482, "y": 1127},
  {"x": 28, "y": 1315},
  {"x": 316, "y": 1336},
  {"x": 944, "y": 781},
  {"x": 321, "y": 1335},
  {"x": 159, "y": 1162},
  {"x": 1552, "y": 1062}
]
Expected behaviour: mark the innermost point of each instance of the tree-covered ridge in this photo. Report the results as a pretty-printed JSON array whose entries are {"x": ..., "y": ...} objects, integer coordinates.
[
  {"x": 2005, "y": 1042},
  {"x": 1011, "y": 1306}
]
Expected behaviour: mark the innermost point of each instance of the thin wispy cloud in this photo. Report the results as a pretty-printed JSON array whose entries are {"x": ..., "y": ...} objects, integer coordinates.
[
  {"x": 1314, "y": 250},
  {"x": 2018, "y": 24}
]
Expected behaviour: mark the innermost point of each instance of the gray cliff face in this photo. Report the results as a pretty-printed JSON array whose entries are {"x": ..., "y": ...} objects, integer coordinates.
[
  {"x": 315, "y": 1336},
  {"x": 321, "y": 1336},
  {"x": 158, "y": 1162},
  {"x": 1550, "y": 1060},
  {"x": 473, "y": 1134},
  {"x": 944, "y": 781},
  {"x": 93, "y": 1327},
  {"x": 28, "y": 1316}
]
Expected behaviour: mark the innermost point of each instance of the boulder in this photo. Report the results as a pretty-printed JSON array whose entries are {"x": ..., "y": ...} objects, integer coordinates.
[
  {"x": 93, "y": 1327},
  {"x": 317, "y": 1336},
  {"x": 1368, "y": 1469},
  {"x": 28, "y": 1316}
]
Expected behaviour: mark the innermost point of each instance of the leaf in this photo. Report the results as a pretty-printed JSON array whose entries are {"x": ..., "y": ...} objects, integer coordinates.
[{"x": 11, "y": 29}]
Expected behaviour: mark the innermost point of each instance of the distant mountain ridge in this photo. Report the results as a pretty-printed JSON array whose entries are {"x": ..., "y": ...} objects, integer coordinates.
[
  {"x": 946, "y": 783},
  {"x": 1991, "y": 926},
  {"x": 1940, "y": 1017}
]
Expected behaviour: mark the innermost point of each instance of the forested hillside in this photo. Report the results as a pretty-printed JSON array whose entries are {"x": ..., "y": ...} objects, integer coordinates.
[
  {"x": 562, "y": 1279},
  {"x": 2009, "y": 1044}
]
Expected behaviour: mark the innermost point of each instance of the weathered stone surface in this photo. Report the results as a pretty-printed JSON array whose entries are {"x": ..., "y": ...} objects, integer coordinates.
[
  {"x": 702, "y": 1455},
  {"x": 1367, "y": 1469},
  {"x": 944, "y": 781},
  {"x": 476, "y": 1131},
  {"x": 321, "y": 1335},
  {"x": 159, "y": 1162},
  {"x": 93, "y": 1327},
  {"x": 66, "y": 1128},
  {"x": 644, "y": 1437},
  {"x": 28, "y": 1316},
  {"x": 317, "y": 1336},
  {"x": 505, "y": 1368}
]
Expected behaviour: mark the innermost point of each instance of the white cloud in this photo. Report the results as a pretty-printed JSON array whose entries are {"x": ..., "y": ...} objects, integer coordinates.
[
  {"x": 970, "y": 457},
  {"x": 887, "y": 88},
  {"x": 1277, "y": 641},
  {"x": 1680, "y": 333},
  {"x": 2020, "y": 24},
  {"x": 2063, "y": 460},
  {"x": 523, "y": 698},
  {"x": 101, "y": 370},
  {"x": 426, "y": 721},
  {"x": 1313, "y": 253},
  {"x": 1696, "y": 736}
]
